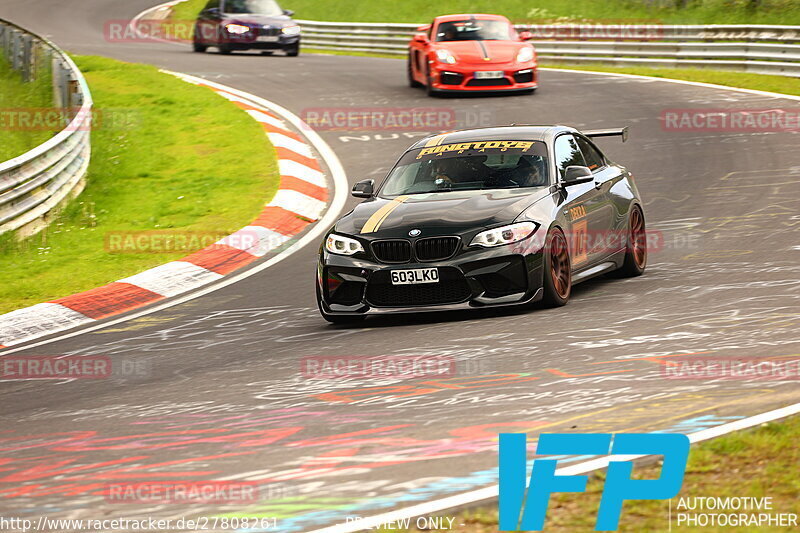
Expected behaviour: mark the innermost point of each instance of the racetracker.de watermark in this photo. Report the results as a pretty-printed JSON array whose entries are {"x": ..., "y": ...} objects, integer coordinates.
[
  {"x": 182, "y": 492},
  {"x": 394, "y": 119},
  {"x": 56, "y": 119},
  {"x": 384, "y": 366},
  {"x": 55, "y": 367},
  {"x": 611, "y": 30},
  {"x": 733, "y": 368},
  {"x": 731, "y": 120},
  {"x": 72, "y": 367},
  {"x": 255, "y": 241},
  {"x": 148, "y": 30}
]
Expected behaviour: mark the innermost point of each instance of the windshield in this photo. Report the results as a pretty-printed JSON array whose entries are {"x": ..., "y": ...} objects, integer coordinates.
[
  {"x": 469, "y": 166},
  {"x": 254, "y": 7},
  {"x": 475, "y": 30}
]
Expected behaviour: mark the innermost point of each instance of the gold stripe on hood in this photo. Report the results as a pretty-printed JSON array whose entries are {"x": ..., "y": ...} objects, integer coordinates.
[{"x": 374, "y": 222}]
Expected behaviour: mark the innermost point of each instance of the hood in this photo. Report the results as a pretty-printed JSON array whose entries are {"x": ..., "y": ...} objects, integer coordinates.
[
  {"x": 261, "y": 20},
  {"x": 476, "y": 52},
  {"x": 450, "y": 213}
]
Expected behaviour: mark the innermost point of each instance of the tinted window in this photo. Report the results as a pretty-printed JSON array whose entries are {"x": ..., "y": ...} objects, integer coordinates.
[
  {"x": 255, "y": 7},
  {"x": 567, "y": 153},
  {"x": 474, "y": 30},
  {"x": 594, "y": 159},
  {"x": 469, "y": 166}
]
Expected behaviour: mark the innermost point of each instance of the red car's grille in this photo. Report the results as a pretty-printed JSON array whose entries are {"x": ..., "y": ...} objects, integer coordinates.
[{"x": 497, "y": 82}]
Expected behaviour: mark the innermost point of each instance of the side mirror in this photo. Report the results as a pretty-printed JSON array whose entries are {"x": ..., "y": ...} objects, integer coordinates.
[
  {"x": 420, "y": 38},
  {"x": 288, "y": 12},
  {"x": 424, "y": 28},
  {"x": 525, "y": 36},
  {"x": 575, "y": 174},
  {"x": 364, "y": 189}
]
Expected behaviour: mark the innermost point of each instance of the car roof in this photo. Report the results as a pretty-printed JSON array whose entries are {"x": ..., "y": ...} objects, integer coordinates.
[
  {"x": 514, "y": 132},
  {"x": 450, "y": 18}
]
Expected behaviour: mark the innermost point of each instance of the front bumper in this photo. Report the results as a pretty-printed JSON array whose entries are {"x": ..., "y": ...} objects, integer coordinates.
[
  {"x": 283, "y": 42},
  {"x": 475, "y": 279},
  {"x": 516, "y": 77}
]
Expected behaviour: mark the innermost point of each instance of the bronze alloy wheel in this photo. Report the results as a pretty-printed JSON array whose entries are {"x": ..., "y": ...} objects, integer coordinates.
[
  {"x": 638, "y": 239},
  {"x": 559, "y": 265}
]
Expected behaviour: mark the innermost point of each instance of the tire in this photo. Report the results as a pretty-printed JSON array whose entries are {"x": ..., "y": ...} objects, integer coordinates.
[
  {"x": 636, "y": 248},
  {"x": 293, "y": 51},
  {"x": 225, "y": 50},
  {"x": 414, "y": 84},
  {"x": 266, "y": 52},
  {"x": 429, "y": 90},
  {"x": 199, "y": 48},
  {"x": 557, "y": 278}
]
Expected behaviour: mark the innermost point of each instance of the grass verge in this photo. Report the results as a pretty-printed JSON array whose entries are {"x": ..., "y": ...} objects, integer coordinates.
[
  {"x": 759, "y": 462},
  {"x": 182, "y": 159},
  {"x": 524, "y": 11},
  {"x": 17, "y": 95}
]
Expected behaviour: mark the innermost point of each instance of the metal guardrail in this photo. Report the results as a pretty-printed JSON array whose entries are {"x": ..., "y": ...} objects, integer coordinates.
[
  {"x": 760, "y": 49},
  {"x": 36, "y": 182}
]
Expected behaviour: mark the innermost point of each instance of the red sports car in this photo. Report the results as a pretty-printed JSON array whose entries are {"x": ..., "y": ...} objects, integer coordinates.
[{"x": 471, "y": 53}]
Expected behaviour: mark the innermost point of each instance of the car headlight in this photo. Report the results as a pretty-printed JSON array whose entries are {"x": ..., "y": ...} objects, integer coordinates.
[
  {"x": 340, "y": 245},
  {"x": 237, "y": 29},
  {"x": 505, "y": 234},
  {"x": 525, "y": 55},
  {"x": 291, "y": 30},
  {"x": 445, "y": 56}
]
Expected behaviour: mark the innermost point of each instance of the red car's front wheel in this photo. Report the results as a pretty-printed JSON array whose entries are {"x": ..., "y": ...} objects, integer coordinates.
[{"x": 412, "y": 82}]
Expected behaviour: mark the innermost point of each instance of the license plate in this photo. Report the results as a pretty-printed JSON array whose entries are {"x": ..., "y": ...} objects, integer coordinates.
[
  {"x": 415, "y": 276},
  {"x": 489, "y": 74},
  {"x": 267, "y": 38}
]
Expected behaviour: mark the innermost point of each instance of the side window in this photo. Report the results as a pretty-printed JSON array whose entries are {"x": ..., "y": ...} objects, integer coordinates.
[
  {"x": 567, "y": 153},
  {"x": 594, "y": 159}
]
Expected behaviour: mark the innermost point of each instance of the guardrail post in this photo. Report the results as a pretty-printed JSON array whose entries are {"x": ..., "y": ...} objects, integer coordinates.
[{"x": 26, "y": 57}]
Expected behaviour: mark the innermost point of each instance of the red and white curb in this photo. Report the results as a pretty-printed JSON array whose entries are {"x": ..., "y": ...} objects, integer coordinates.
[{"x": 300, "y": 201}]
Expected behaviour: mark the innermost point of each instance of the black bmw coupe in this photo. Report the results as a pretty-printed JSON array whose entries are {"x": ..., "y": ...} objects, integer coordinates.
[{"x": 480, "y": 218}]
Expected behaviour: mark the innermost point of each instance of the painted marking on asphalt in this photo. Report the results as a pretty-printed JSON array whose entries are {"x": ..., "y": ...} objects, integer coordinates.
[
  {"x": 300, "y": 171},
  {"x": 299, "y": 203},
  {"x": 111, "y": 299},
  {"x": 172, "y": 278}
]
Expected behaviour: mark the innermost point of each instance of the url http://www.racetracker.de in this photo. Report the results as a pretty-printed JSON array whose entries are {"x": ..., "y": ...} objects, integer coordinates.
[{"x": 202, "y": 523}]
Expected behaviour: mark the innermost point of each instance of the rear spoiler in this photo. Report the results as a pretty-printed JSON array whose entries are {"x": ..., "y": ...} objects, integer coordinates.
[{"x": 613, "y": 132}]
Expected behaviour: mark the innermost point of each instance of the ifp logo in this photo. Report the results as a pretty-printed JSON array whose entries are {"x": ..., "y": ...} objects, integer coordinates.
[{"x": 618, "y": 486}]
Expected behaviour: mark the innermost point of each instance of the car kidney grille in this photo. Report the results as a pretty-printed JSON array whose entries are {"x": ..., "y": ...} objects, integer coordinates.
[
  {"x": 436, "y": 248},
  {"x": 451, "y": 288},
  {"x": 395, "y": 251}
]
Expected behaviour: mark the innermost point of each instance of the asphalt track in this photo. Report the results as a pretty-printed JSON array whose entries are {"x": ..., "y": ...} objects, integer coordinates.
[{"x": 220, "y": 393}]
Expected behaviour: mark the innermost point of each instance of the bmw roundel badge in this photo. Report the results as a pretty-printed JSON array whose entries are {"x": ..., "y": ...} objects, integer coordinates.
[{"x": 414, "y": 233}]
